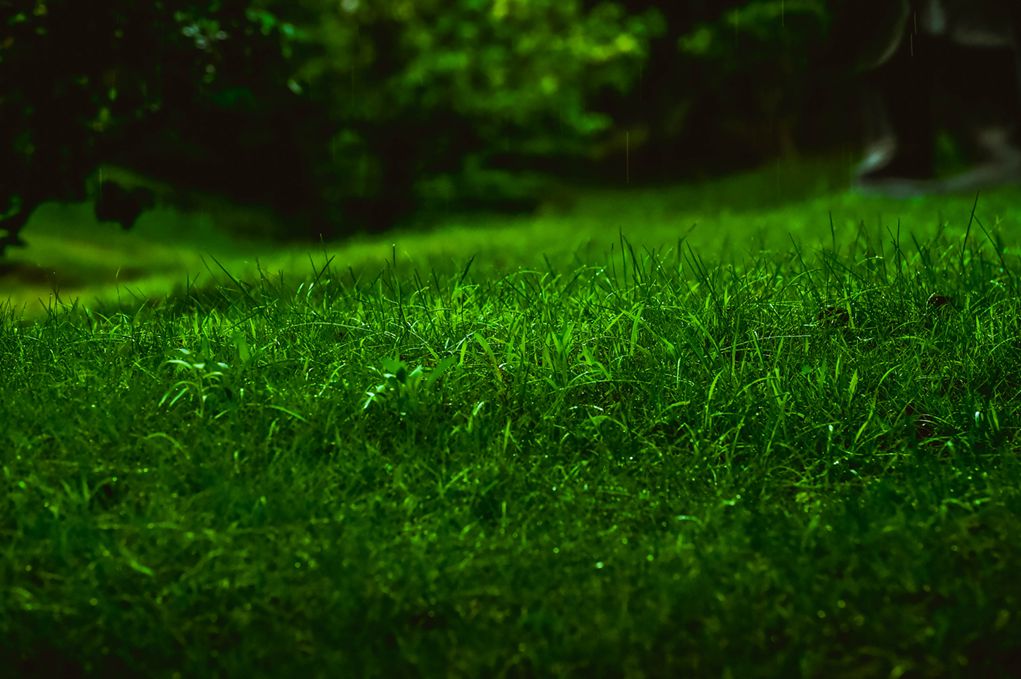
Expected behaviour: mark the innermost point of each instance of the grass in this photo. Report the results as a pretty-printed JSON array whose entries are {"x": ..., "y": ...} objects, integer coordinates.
[
  {"x": 625, "y": 458},
  {"x": 71, "y": 257}
]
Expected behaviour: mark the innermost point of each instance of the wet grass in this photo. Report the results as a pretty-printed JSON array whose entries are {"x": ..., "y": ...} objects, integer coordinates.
[{"x": 648, "y": 457}]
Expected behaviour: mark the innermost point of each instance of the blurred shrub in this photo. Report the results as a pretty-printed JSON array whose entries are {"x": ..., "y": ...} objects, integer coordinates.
[{"x": 427, "y": 99}]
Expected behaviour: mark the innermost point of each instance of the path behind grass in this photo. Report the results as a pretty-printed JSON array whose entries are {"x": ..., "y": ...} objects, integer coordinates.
[{"x": 624, "y": 459}]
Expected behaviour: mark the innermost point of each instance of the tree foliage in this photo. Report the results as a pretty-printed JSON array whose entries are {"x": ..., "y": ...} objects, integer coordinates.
[{"x": 421, "y": 95}]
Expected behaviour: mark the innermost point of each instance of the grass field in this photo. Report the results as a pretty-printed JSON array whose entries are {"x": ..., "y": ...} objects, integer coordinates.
[{"x": 596, "y": 442}]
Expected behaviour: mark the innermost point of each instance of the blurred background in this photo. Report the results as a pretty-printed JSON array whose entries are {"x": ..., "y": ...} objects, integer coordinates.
[{"x": 322, "y": 118}]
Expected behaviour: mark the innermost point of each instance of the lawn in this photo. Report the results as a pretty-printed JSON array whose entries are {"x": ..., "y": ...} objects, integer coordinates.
[{"x": 760, "y": 426}]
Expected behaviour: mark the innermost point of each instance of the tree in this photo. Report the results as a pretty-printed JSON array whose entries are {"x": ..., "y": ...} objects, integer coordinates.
[{"x": 433, "y": 88}]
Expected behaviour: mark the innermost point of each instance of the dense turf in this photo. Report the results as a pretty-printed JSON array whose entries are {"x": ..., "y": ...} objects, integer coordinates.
[{"x": 617, "y": 462}]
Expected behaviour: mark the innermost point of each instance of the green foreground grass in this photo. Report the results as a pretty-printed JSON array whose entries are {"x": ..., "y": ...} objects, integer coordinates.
[{"x": 620, "y": 460}]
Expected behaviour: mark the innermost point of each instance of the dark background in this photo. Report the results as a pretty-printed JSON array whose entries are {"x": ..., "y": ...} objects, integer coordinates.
[{"x": 349, "y": 116}]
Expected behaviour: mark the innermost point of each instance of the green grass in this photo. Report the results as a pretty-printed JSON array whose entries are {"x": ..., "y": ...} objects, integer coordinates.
[
  {"x": 628, "y": 457},
  {"x": 72, "y": 257}
]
